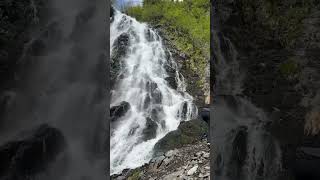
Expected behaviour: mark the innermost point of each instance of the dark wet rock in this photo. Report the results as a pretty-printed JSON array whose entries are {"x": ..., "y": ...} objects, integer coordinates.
[
  {"x": 31, "y": 155},
  {"x": 151, "y": 86},
  {"x": 123, "y": 23},
  {"x": 188, "y": 132},
  {"x": 111, "y": 11},
  {"x": 170, "y": 70},
  {"x": 156, "y": 96},
  {"x": 149, "y": 35},
  {"x": 156, "y": 113},
  {"x": 133, "y": 130},
  {"x": 205, "y": 115},
  {"x": 120, "y": 47},
  {"x": 150, "y": 131},
  {"x": 155, "y": 93},
  {"x": 118, "y": 111},
  {"x": 172, "y": 82},
  {"x": 147, "y": 102},
  {"x": 167, "y": 53},
  {"x": 184, "y": 110},
  {"x": 163, "y": 123}
]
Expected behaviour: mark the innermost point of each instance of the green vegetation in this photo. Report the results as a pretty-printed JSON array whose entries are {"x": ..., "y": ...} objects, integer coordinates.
[
  {"x": 287, "y": 23},
  {"x": 135, "y": 175},
  {"x": 281, "y": 20},
  {"x": 186, "y": 24},
  {"x": 289, "y": 68},
  {"x": 187, "y": 133}
]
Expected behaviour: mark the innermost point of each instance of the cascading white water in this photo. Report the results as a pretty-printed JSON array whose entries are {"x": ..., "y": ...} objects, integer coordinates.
[{"x": 141, "y": 83}]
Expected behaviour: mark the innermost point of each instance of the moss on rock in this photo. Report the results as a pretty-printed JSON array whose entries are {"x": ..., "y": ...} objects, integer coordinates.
[
  {"x": 135, "y": 175},
  {"x": 188, "y": 132}
]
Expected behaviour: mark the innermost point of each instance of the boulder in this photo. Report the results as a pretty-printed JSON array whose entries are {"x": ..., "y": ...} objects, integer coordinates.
[
  {"x": 155, "y": 93},
  {"x": 192, "y": 171},
  {"x": 157, "y": 113},
  {"x": 119, "y": 51},
  {"x": 118, "y": 111},
  {"x": 120, "y": 47},
  {"x": 188, "y": 132},
  {"x": 150, "y": 131},
  {"x": 172, "y": 82},
  {"x": 31, "y": 155}
]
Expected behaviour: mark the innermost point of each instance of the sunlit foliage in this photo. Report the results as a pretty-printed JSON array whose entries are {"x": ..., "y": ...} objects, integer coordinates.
[{"x": 186, "y": 24}]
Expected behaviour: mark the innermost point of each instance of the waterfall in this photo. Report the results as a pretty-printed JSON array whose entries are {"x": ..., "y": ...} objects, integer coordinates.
[
  {"x": 155, "y": 107},
  {"x": 245, "y": 150}
]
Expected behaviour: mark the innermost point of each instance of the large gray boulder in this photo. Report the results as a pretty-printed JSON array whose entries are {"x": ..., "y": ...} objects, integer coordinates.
[{"x": 188, "y": 132}]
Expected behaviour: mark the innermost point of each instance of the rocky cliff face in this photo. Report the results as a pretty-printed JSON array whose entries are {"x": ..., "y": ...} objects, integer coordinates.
[
  {"x": 278, "y": 51},
  {"x": 195, "y": 85}
]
